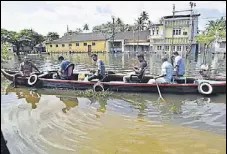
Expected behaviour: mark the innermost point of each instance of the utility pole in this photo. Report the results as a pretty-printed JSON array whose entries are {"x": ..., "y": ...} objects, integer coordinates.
[
  {"x": 190, "y": 37},
  {"x": 133, "y": 40},
  {"x": 172, "y": 29},
  {"x": 113, "y": 32},
  {"x": 191, "y": 26},
  {"x": 138, "y": 39}
]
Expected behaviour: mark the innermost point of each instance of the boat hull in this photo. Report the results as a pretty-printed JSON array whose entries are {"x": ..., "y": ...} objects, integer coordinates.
[{"x": 176, "y": 88}]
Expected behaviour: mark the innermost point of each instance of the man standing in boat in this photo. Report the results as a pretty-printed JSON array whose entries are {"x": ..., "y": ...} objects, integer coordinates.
[
  {"x": 137, "y": 70},
  {"x": 26, "y": 69},
  {"x": 179, "y": 69},
  {"x": 167, "y": 73},
  {"x": 100, "y": 73}
]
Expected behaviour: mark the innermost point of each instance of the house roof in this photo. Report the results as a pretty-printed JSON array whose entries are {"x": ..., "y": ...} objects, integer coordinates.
[
  {"x": 99, "y": 36},
  {"x": 79, "y": 37},
  {"x": 128, "y": 35},
  {"x": 181, "y": 16},
  {"x": 157, "y": 25}
]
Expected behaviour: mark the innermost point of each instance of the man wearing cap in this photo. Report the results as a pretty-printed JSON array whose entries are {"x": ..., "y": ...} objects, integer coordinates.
[
  {"x": 100, "y": 73},
  {"x": 62, "y": 72},
  {"x": 26, "y": 69},
  {"x": 167, "y": 73},
  {"x": 178, "y": 65}
]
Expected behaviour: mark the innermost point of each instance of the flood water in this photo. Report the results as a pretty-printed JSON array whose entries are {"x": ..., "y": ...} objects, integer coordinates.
[{"x": 50, "y": 121}]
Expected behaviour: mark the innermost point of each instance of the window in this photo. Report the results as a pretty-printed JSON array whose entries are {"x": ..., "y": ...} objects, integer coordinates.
[
  {"x": 167, "y": 48},
  {"x": 157, "y": 31},
  {"x": 159, "y": 47},
  {"x": 56, "y": 45},
  {"x": 177, "y": 32},
  {"x": 70, "y": 45},
  {"x": 173, "y": 48},
  {"x": 178, "y": 48},
  {"x": 77, "y": 44},
  {"x": 93, "y": 43},
  {"x": 152, "y": 32},
  {"x": 185, "y": 33},
  {"x": 186, "y": 47},
  {"x": 50, "y": 45},
  {"x": 85, "y": 44},
  {"x": 63, "y": 45},
  {"x": 222, "y": 45}
]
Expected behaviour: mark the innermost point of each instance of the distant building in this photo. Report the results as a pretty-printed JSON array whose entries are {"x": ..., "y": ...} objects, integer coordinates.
[
  {"x": 81, "y": 42},
  {"x": 219, "y": 46},
  {"x": 130, "y": 41},
  {"x": 174, "y": 32}
]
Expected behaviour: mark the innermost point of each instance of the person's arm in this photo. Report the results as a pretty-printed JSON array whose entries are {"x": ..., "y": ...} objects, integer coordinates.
[
  {"x": 21, "y": 69},
  {"x": 177, "y": 63},
  {"x": 35, "y": 68},
  {"x": 99, "y": 67},
  {"x": 163, "y": 73}
]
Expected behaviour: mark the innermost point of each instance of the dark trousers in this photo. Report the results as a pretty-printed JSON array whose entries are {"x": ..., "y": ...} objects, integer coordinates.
[{"x": 100, "y": 77}]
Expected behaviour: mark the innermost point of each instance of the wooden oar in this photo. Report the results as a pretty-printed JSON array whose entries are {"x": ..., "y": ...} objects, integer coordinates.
[{"x": 160, "y": 95}]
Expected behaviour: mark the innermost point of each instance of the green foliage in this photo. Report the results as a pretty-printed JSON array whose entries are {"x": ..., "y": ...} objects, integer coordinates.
[
  {"x": 214, "y": 30},
  {"x": 86, "y": 27},
  {"x": 25, "y": 37},
  {"x": 141, "y": 23},
  {"x": 4, "y": 53},
  {"x": 52, "y": 36},
  {"x": 90, "y": 93}
]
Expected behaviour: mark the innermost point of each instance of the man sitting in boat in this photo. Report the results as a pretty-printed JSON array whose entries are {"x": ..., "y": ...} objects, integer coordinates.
[
  {"x": 62, "y": 72},
  {"x": 26, "y": 69},
  {"x": 179, "y": 68},
  {"x": 100, "y": 73},
  {"x": 139, "y": 71},
  {"x": 167, "y": 73}
]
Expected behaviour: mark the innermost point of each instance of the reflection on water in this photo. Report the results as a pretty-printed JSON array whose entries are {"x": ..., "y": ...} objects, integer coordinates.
[{"x": 50, "y": 121}]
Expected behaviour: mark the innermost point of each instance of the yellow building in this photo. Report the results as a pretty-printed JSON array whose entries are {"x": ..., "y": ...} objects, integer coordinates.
[
  {"x": 82, "y": 42},
  {"x": 174, "y": 34}
]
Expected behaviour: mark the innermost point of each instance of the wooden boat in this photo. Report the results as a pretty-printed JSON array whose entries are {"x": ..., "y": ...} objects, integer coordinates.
[{"x": 113, "y": 82}]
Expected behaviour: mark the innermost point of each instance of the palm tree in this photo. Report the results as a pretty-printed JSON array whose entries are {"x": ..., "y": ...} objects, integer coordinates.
[
  {"x": 120, "y": 24},
  {"x": 144, "y": 16},
  {"x": 86, "y": 27},
  {"x": 139, "y": 23}
]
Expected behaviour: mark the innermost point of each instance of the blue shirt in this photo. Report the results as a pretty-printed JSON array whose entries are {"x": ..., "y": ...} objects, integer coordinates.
[
  {"x": 64, "y": 64},
  {"x": 179, "y": 62},
  {"x": 167, "y": 70},
  {"x": 101, "y": 67}
]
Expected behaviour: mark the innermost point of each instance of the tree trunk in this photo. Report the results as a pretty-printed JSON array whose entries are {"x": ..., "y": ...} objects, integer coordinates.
[{"x": 17, "y": 50}]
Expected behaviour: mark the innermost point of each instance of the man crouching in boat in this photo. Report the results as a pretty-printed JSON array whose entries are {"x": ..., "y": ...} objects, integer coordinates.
[
  {"x": 62, "y": 72},
  {"x": 100, "y": 73},
  {"x": 26, "y": 69},
  {"x": 167, "y": 73},
  {"x": 137, "y": 70}
]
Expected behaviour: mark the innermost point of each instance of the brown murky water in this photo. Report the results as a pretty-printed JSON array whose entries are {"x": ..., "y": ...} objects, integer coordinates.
[{"x": 47, "y": 121}]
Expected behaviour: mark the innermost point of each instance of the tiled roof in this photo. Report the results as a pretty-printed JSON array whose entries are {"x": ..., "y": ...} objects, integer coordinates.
[
  {"x": 128, "y": 35},
  {"x": 99, "y": 36},
  {"x": 80, "y": 37}
]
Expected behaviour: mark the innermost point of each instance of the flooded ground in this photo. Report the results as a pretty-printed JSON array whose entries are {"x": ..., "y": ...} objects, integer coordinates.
[{"x": 47, "y": 121}]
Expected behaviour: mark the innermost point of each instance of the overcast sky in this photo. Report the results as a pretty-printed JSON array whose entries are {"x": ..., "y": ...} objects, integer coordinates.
[{"x": 48, "y": 16}]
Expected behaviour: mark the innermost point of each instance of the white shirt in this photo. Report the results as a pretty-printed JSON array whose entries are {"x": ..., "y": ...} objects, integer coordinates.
[{"x": 167, "y": 70}]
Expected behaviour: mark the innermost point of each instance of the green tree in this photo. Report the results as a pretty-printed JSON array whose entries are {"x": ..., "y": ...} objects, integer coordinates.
[
  {"x": 86, "y": 27},
  {"x": 214, "y": 30},
  {"x": 52, "y": 36}
]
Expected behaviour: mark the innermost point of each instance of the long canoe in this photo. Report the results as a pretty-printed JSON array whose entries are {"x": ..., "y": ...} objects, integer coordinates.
[{"x": 113, "y": 82}]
